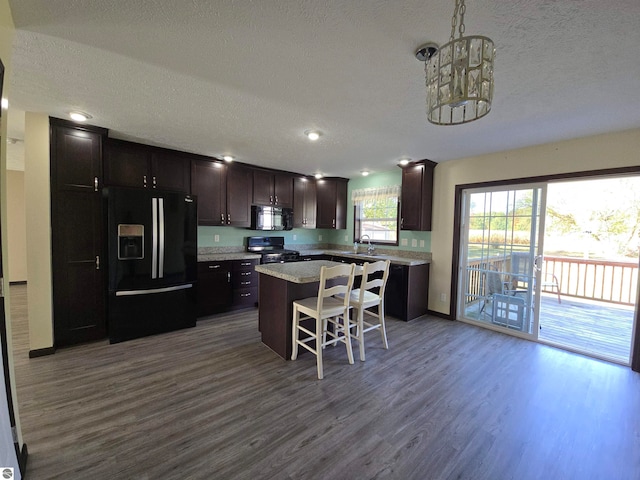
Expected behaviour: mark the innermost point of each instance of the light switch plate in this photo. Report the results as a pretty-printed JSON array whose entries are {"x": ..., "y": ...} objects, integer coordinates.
[
  {"x": 216, "y": 238},
  {"x": 346, "y": 238},
  {"x": 403, "y": 242},
  {"x": 414, "y": 242},
  {"x": 295, "y": 237},
  {"x": 320, "y": 237},
  {"x": 421, "y": 243}
]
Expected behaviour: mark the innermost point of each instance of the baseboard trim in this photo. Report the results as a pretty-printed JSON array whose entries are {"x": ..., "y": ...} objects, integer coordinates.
[
  {"x": 21, "y": 282},
  {"x": 22, "y": 460},
  {"x": 446, "y": 316},
  {"x": 41, "y": 352}
]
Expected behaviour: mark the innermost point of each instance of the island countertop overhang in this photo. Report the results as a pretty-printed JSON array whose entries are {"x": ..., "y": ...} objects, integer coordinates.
[{"x": 296, "y": 272}]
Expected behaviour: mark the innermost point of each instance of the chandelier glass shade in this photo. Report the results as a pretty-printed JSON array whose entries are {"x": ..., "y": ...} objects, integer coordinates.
[{"x": 459, "y": 77}]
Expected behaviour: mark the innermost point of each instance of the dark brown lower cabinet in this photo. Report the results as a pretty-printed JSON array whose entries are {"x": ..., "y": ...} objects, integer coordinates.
[
  {"x": 407, "y": 293},
  {"x": 227, "y": 285},
  {"x": 245, "y": 283},
  {"x": 214, "y": 287}
]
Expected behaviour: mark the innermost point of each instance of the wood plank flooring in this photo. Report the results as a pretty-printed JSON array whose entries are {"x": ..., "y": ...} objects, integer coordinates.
[{"x": 447, "y": 401}]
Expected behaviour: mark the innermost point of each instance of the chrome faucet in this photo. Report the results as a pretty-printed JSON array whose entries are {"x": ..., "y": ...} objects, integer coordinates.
[{"x": 370, "y": 248}]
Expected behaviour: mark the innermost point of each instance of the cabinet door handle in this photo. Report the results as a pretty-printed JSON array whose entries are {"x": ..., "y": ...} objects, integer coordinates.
[
  {"x": 153, "y": 179},
  {"x": 222, "y": 218},
  {"x": 228, "y": 219},
  {"x": 334, "y": 223},
  {"x": 276, "y": 199},
  {"x": 97, "y": 262},
  {"x": 144, "y": 180},
  {"x": 95, "y": 184},
  {"x": 228, "y": 277},
  {"x": 401, "y": 222},
  {"x": 270, "y": 198},
  {"x": 214, "y": 266}
]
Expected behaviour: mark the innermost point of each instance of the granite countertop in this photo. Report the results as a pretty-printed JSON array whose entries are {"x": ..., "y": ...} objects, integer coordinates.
[
  {"x": 296, "y": 272},
  {"x": 219, "y": 257},
  {"x": 395, "y": 259}
]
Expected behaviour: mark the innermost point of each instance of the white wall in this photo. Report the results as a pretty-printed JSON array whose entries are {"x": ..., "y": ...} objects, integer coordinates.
[
  {"x": 37, "y": 193},
  {"x": 16, "y": 226},
  {"x": 621, "y": 149}
]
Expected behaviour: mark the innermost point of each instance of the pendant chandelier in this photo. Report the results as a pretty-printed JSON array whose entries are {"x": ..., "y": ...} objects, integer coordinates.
[{"x": 459, "y": 75}]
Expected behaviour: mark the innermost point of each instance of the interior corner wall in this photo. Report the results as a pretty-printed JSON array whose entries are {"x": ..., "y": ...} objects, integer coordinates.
[
  {"x": 613, "y": 150},
  {"x": 38, "y": 226},
  {"x": 7, "y": 31},
  {"x": 16, "y": 226}
]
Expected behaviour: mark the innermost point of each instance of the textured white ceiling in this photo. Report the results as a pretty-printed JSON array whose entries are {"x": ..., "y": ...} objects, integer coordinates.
[{"x": 249, "y": 77}]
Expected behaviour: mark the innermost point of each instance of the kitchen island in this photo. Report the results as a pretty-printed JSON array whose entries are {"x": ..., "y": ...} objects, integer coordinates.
[{"x": 281, "y": 284}]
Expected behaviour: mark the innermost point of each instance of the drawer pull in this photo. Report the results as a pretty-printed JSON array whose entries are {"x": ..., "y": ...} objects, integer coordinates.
[
  {"x": 245, "y": 264},
  {"x": 245, "y": 273},
  {"x": 245, "y": 294},
  {"x": 214, "y": 266},
  {"x": 245, "y": 283}
]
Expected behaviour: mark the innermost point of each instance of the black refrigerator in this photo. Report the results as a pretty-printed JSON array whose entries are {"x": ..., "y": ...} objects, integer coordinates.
[{"x": 152, "y": 262}]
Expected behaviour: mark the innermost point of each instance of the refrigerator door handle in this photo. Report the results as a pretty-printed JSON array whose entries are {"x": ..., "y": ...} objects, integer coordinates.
[
  {"x": 161, "y": 239},
  {"x": 154, "y": 238},
  {"x": 129, "y": 293}
]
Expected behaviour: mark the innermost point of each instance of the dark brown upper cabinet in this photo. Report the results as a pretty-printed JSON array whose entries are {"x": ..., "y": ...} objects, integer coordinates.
[
  {"x": 224, "y": 193},
  {"x": 77, "y": 240},
  {"x": 272, "y": 188},
  {"x": 304, "y": 202},
  {"x": 417, "y": 196},
  {"x": 135, "y": 165},
  {"x": 332, "y": 203}
]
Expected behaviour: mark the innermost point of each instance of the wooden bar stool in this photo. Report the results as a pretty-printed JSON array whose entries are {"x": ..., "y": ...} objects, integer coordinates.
[
  {"x": 369, "y": 295},
  {"x": 325, "y": 309}
]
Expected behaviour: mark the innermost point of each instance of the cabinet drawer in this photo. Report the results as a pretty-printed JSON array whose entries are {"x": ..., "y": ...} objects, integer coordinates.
[
  {"x": 212, "y": 269},
  {"x": 245, "y": 296},
  {"x": 248, "y": 265},
  {"x": 244, "y": 279}
]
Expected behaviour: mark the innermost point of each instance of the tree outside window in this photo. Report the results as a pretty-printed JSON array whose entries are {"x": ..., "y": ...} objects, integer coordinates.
[{"x": 376, "y": 214}]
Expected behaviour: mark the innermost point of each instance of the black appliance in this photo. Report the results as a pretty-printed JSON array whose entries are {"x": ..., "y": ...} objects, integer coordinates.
[
  {"x": 272, "y": 250},
  {"x": 264, "y": 217},
  {"x": 152, "y": 242}
]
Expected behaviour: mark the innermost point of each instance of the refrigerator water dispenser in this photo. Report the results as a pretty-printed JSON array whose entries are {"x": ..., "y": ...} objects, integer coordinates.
[{"x": 130, "y": 242}]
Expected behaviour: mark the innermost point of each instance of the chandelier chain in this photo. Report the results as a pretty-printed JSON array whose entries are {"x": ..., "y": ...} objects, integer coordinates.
[{"x": 459, "y": 10}]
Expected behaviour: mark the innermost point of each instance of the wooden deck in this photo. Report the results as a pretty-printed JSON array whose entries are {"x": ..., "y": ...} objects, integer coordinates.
[
  {"x": 594, "y": 328},
  {"x": 598, "y": 329}
]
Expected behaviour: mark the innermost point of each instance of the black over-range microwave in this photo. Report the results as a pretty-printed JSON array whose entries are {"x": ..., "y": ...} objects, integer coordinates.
[{"x": 264, "y": 217}]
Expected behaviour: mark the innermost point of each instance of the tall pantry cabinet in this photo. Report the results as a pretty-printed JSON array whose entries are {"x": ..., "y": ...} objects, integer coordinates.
[{"x": 77, "y": 232}]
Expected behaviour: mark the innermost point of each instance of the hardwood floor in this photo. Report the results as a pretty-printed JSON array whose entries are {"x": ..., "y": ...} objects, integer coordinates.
[{"x": 446, "y": 401}]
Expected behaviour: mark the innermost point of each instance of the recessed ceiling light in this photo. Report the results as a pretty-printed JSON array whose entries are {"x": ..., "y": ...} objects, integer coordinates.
[
  {"x": 404, "y": 161},
  {"x": 312, "y": 135},
  {"x": 80, "y": 116},
  {"x": 5, "y": 103},
  {"x": 318, "y": 175},
  {"x": 365, "y": 173},
  {"x": 228, "y": 158}
]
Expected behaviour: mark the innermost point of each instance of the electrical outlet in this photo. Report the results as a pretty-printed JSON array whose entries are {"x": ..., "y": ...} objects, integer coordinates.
[
  {"x": 443, "y": 297},
  {"x": 295, "y": 237},
  {"x": 320, "y": 238},
  {"x": 421, "y": 243},
  {"x": 346, "y": 238},
  {"x": 414, "y": 242},
  {"x": 216, "y": 238},
  {"x": 403, "y": 242}
]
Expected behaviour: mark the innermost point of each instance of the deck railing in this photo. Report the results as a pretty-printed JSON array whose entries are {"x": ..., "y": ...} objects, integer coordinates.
[{"x": 602, "y": 280}]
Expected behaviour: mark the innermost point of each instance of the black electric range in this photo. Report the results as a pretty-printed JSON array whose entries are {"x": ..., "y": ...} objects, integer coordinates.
[{"x": 272, "y": 250}]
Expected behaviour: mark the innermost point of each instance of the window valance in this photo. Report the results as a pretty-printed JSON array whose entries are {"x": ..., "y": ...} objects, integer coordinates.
[{"x": 375, "y": 193}]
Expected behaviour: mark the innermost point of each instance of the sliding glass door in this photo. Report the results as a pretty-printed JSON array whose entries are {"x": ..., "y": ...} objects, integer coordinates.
[{"x": 501, "y": 246}]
